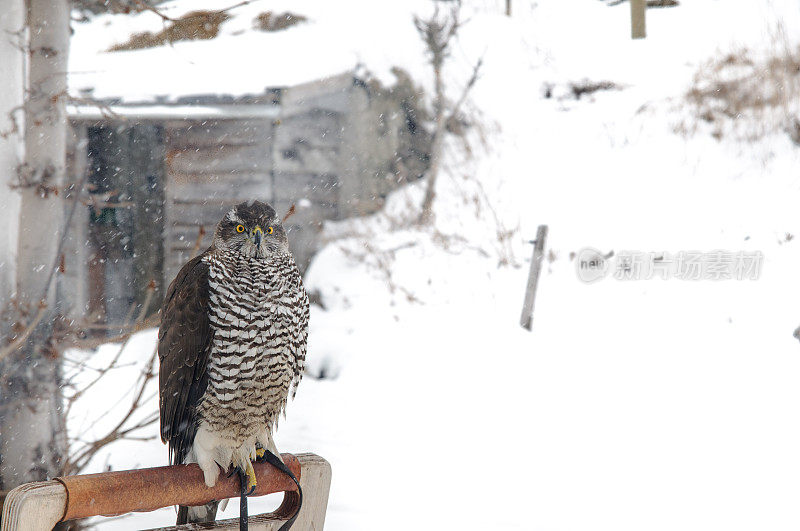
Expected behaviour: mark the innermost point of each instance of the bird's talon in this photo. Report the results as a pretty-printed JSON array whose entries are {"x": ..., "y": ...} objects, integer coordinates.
[
  {"x": 260, "y": 453},
  {"x": 251, "y": 478}
]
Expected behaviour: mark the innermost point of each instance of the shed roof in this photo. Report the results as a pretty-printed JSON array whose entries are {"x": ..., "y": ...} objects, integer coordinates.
[
  {"x": 170, "y": 112},
  {"x": 240, "y": 61}
]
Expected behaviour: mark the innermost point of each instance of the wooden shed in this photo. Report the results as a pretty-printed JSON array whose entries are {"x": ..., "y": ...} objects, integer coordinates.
[{"x": 159, "y": 176}]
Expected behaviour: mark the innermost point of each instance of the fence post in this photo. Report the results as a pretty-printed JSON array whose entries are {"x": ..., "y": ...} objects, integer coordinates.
[
  {"x": 533, "y": 278},
  {"x": 638, "y": 8}
]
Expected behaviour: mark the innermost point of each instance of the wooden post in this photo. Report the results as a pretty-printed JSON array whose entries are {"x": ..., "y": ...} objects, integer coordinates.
[
  {"x": 508, "y": 8},
  {"x": 533, "y": 277},
  {"x": 638, "y": 8}
]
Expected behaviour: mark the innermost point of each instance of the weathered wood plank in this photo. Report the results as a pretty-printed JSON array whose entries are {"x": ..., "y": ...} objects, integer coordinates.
[
  {"x": 34, "y": 507},
  {"x": 224, "y": 179},
  {"x": 219, "y": 159},
  {"x": 332, "y": 93},
  {"x": 220, "y": 132},
  {"x": 185, "y": 236},
  {"x": 301, "y": 157},
  {"x": 200, "y": 213},
  {"x": 308, "y": 142},
  {"x": 317, "y": 128},
  {"x": 311, "y": 212},
  {"x": 220, "y": 186},
  {"x": 317, "y": 188}
]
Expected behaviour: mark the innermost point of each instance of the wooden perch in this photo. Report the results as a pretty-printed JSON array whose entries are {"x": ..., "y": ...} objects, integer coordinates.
[{"x": 42, "y": 505}]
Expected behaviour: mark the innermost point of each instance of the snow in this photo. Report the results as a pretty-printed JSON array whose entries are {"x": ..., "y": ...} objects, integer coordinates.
[
  {"x": 166, "y": 112},
  {"x": 240, "y": 60},
  {"x": 632, "y": 404}
]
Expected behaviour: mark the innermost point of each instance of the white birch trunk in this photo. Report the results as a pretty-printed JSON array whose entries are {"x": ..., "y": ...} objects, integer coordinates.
[
  {"x": 12, "y": 80},
  {"x": 31, "y": 415}
]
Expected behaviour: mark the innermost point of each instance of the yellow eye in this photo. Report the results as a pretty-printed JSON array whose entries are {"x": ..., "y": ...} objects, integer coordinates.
[
  {"x": 239, "y": 228},
  {"x": 269, "y": 230}
]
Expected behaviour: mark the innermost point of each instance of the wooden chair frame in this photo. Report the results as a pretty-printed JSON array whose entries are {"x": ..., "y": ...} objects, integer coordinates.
[{"x": 40, "y": 506}]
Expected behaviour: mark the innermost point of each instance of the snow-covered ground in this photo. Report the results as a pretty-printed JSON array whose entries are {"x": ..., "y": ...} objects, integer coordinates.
[{"x": 650, "y": 404}]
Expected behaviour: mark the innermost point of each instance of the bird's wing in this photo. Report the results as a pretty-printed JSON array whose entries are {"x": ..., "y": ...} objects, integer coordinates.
[
  {"x": 184, "y": 344},
  {"x": 299, "y": 336}
]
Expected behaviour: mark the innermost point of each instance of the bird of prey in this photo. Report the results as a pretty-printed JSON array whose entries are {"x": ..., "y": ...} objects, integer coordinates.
[{"x": 232, "y": 347}]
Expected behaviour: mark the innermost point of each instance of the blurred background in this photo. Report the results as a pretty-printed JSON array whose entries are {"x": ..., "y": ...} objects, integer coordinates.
[{"x": 420, "y": 145}]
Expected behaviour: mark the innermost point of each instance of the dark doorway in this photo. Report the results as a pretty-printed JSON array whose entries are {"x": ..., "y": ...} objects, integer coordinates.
[{"x": 126, "y": 222}]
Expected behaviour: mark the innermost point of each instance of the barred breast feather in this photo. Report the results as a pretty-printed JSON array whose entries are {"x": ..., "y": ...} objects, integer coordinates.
[{"x": 258, "y": 311}]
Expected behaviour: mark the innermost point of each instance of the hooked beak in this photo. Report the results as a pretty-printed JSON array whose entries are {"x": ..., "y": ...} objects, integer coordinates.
[{"x": 258, "y": 234}]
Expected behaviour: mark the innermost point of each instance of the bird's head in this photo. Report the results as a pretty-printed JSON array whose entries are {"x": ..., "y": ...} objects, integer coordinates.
[{"x": 252, "y": 229}]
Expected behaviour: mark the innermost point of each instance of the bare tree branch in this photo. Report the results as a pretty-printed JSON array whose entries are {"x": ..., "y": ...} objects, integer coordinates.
[
  {"x": 100, "y": 374},
  {"x": 23, "y": 337},
  {"x": 75, "y": 342},
  {"x": 64, "y": 236},
  {"x": 199, "y": 241},
  {"x": 467, "y": 88},
  {"x": 289, "y": 213},
  {"x": 143, "y": 6},
  {"x": 437, "y": 32},
  {"x": 106, "y": 110},
  {"x": 148, "y": 298},
  {"x": 123, "y": 428}
]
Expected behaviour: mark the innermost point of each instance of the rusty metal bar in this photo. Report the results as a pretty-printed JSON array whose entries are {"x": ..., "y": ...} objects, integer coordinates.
[{"x": 113, "y": 493}]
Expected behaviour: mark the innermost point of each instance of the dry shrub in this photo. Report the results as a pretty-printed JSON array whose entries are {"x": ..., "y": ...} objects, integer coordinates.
[
  {"x": 663, "y": 3},
  {"x": 399, "y": 111},
  {"x": 194, "y": 26},
  {"x": 650, "y": 3},
  {"x": 269, "y": 21},
  {"x": 586, "y": 87},
  {"x": 737, "y": 84},
  {"x": 748, "y": 96}
]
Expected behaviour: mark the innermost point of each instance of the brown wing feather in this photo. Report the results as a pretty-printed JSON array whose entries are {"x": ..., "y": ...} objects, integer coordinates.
[{"x": 184, "y": 344}]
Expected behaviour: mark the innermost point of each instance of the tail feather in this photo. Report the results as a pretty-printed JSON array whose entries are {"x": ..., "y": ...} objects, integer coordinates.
[
  {"x": 183, "y": 515},
  {"x": 199, "y": 514}
]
